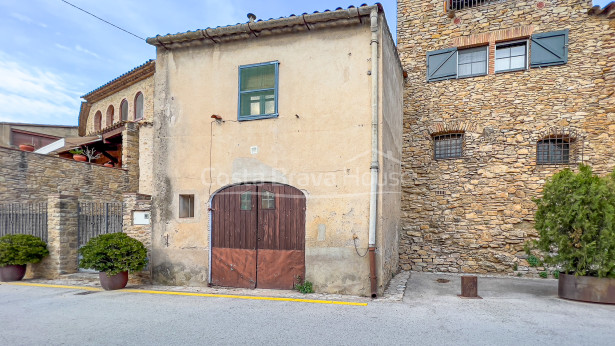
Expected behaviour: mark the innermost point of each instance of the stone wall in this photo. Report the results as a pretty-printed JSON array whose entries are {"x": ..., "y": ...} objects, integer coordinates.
[
  {"x": 26, "y": 176},
  {"x": 474, "y": 213},
  {"x": 143, "y": 233}
]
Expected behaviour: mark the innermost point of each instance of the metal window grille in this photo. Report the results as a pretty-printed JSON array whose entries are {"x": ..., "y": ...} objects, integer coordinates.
[
  {"x": 554, "y": 150},
  {"x": 461, "y": 4},
  {"x": 448, "y": 145}
]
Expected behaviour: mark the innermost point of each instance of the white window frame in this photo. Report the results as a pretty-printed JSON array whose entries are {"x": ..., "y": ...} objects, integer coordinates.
[
  {"x": 512, "y": 43},
  {"x": 486, "y": 47}
]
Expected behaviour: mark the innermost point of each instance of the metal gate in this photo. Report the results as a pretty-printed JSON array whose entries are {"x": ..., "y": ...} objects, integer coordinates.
[
  {"x": 258, "y": 236},
  {"x": 24, "y": 218},
  {"x": 97, "y": 218}
]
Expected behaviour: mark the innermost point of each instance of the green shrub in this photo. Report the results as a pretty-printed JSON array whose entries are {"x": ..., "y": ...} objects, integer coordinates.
[
  {"x": 113, "y": 253},
  {"x": 543, "y": 275},
  {"x": 303, "y": 286},
  {"x": 556, "y": 274},
  {"x": 532, "y": 260},
  {"x": 576, "y": 222},
  {"x": 20, "y": 249}
]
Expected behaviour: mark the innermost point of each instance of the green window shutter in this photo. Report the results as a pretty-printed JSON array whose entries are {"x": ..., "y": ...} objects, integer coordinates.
[
  {"x": 549, "y": 48},
  {"x": 442, "y": 64}
]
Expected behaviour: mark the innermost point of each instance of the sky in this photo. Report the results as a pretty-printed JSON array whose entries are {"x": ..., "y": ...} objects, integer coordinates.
[{"x": 51, "y": 53}]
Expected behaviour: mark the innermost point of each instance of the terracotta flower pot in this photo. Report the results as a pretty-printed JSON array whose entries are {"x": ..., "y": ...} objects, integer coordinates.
[
  {"x": 113, "y": 282},
  {"x": 108, "y": 165},
  {"x": 79, "y": 157},
  {"x": 586, "y": 288},
  {"x": 26, "y": 147},
  {"x": 12, "y": 272}
]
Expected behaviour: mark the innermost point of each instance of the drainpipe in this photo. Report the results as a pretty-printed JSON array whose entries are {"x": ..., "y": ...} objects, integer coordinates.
[{"x": 373, "y": 206}]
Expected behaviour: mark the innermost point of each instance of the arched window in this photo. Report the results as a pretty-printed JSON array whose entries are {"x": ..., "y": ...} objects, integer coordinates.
[
  {"x": 124, "y": 110},
  {"x": 139, "y": 106},
  {"x": 97, "y": 121},
  {"x": 555, "y": 149},
  {"x": 448, "y": 146},
  {"x": 109, "y": 121}
]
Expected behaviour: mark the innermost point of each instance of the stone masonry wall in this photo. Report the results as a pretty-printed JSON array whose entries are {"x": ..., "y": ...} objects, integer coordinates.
[
  {"x": 25, "y": 176},
  {"x": 137, "y": 202},
  {"x": 474, "y": 213}
]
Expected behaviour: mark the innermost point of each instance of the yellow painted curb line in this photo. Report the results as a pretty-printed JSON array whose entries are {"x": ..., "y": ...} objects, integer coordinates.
[
  {"x": 53, "y": 286},
  {"x": 193, "y": 294}
]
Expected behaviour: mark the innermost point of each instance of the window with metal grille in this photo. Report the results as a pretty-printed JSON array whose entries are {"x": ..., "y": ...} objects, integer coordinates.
[
  {"x": 448, "y": 146},
  {"x": 461, "y": 4},
  {"x": 554, "y": 150},
  {"x": 258, "y": 91},
  {"x": 186, "y": 206}
]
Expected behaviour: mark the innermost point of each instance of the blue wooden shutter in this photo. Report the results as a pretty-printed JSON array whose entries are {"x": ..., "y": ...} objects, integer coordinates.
[
  {"x": 549, "y": 48},
  {"x": 442, "y": 64}
]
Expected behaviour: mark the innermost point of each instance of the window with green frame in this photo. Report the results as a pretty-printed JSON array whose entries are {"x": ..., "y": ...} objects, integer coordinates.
[{"x": 258, "y": 91}]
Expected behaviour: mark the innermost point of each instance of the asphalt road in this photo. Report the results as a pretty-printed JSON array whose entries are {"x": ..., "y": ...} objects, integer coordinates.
[{"x": 517, "y": 312}]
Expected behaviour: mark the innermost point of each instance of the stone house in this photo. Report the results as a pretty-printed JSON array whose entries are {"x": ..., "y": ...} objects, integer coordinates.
[
  {"x": 500, "y": 95},
  {"x": 270, "y": 137},
  {"x": 116, "y": 120}
]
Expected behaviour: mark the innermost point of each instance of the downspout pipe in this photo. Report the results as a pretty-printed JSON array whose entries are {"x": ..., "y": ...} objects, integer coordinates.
[{"x": 374, "y": 167}]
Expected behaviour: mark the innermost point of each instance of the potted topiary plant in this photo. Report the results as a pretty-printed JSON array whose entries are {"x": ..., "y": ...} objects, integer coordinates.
[
  {"x": 16, "y": 251},
  {"x": 576, "y": 223},
  {"x": 113, "y": 255}
]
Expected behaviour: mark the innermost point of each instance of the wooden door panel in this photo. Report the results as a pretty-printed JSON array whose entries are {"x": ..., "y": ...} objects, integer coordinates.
[
  {"x": 234, "y": 233},
  {"x": 233, "y": 267},
  {"x": 280, "y": 269}
]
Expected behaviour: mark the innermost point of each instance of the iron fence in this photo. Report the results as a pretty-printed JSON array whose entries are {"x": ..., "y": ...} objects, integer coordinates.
[
  {"x": 96, "y": 218},
  {"x": 24, "y": 218},
  {"x": 461, "y": 4}
]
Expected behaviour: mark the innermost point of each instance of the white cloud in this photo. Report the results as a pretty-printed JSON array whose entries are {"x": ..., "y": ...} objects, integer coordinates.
[
  {"x": 27, "y": 19},
  {"x": 30, "y": 95},
  {"x": 78, "y": 48},
  {"x": 62, "y": 47}
]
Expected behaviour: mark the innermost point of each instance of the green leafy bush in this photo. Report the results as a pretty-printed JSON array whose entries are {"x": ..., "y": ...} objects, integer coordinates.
[
  {"x": 303, "y": 286},
  {"x": 20, "y": 249},
  {"x": 556, "y": 274},
  {"x": 576, "y": 222},
  {"x": 543, "y": 275},
  {"x": 113, "y": 253},
  {"x": 532, "y": 260}
]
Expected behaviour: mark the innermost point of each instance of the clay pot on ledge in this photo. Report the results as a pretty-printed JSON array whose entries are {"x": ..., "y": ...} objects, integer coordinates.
[
  {"x": 12, "y": 272},
  {"x": 26, "y": 147},
  {"x": 109, "y": 164},
  {"x": 79, "y": 157}
]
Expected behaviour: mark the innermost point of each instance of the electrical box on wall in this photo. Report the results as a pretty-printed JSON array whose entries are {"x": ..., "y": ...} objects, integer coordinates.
[
  {"x": 254, "y": 150},
  {"x": 140, "y": 217}
]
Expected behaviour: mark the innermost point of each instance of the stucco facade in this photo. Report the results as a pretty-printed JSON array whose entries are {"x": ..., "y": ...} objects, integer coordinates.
[
  {"x": 320, "y": 143},
  {"x": 473, "y": 213}
]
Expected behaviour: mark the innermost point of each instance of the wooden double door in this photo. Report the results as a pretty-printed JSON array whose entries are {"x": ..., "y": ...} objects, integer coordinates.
[{"x": 258, "y": 236}]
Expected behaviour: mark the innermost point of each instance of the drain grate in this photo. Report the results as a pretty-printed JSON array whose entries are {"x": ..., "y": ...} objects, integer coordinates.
[
  {"x": 84, "y": 293},
  {"x": 443, "y": 281}
]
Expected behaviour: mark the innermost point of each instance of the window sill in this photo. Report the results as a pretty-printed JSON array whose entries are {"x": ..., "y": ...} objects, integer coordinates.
[
  {"x": 472, "y": 76},
  {"x": 256, "y": 117},
  {"x": 513, "y": 70}
]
